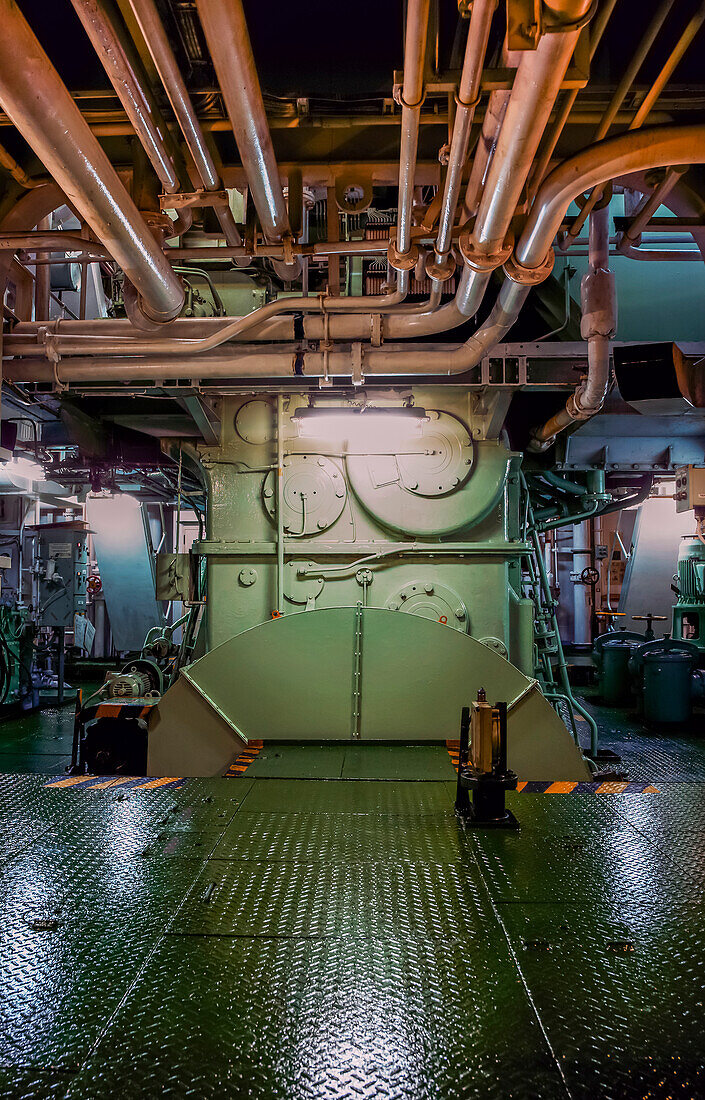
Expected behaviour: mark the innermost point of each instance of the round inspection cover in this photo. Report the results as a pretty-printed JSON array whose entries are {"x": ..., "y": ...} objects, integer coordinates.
[
  {"x": 255, "y": 422},
  {"x": 431, "y": 601},
  {"x": 378, "y": 484},
  {"x": 313, "y": 491},
  {"x": 447, "y": 459},
  {"x": 301, "y": 589}
]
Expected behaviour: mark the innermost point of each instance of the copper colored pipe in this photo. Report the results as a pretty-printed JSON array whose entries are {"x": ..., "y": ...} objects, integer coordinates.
[
  {"x": 548, "y": 148},
  {"x": 225, "y": 28},
  {"x": 630, "y": 73},
  {"x": 664, "y": 76},
  {"x": 155, "y": 36},
  {"x": 105, "y": 28},
  {"x": 8, "y": 162},
  {"x": 42, "y": 284},
  {"x": 54, "y": 240},
  {"x": 34, "y": 96}
]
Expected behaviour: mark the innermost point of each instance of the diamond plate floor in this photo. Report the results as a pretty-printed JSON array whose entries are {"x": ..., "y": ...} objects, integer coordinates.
[{"x": 337, "y": 938}]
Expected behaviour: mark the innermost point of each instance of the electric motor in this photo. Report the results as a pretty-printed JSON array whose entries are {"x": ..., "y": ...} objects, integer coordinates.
[{"x": 127, "y": 685}]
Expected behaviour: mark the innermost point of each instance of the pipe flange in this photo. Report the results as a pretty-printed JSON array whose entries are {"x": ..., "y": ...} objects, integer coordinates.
[
  {"x": 484, "y": 262},
  {"x": 402, "y": 261},
  {"x": 529, "y": 276},
  {"x": 440, "y": 270},
  {"x": 140, "y": 314},
  {"x": 575, "y": 409},
  {"x": 160, "y": 224}
]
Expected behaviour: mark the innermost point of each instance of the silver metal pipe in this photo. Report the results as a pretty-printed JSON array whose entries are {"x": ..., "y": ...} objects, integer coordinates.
[
  {"x": 536, "y": 86},
  {"x": 35, "y": 98},
  {"x": 412, "y": 95},
  {"x": 468, "y": 98},
  {"x": 156, "y": 38},
  {"x": 225, "y": 28},
  {"x": 636, "y": 151}
]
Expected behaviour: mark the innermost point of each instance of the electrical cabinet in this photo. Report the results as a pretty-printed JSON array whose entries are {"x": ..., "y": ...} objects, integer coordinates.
[
  {"x": 63, "y": 568},
  {"x": 690, "y": 488}
]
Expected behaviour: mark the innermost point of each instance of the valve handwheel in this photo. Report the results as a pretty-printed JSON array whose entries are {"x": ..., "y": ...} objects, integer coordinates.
[
  {"x": 589, "y": 575},
  {"x": 94, "y": 584},
  {"x": 649, "y": 619}
]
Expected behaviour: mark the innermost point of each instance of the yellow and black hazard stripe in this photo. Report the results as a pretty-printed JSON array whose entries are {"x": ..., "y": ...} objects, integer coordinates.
[
  {"x": 548, "y": 786},
  {"x": 243, "y": 761},
  {"x": 102, "y": 782}
]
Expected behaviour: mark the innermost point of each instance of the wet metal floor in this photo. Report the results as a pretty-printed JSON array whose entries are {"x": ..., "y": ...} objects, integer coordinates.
[
  {"x": 337, "y": 937},
  {"x": 322, "y": 926}
]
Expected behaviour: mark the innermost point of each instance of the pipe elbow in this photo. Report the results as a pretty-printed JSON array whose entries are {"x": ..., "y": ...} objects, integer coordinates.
[{"x": 145, "y": 317}]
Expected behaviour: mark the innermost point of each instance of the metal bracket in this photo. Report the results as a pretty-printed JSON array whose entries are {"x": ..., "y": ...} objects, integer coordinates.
[
  {"x": 524, "y": 24},
  {"x": 218, "y": 199}
]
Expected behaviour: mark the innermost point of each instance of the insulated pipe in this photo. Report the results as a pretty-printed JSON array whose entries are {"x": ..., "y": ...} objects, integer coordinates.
[
  {"x": 35, "y": 98},
  {"x": 105, "y": 28},
  {"x": 412, "y": 96},
  {"x": 225, "y": 28},
  {"x": 468, "y": 98},
  {"x": 155, "y": 36}
]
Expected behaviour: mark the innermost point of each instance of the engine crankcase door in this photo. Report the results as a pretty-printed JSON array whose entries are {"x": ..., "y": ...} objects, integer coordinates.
[{"x": 396, "y": 492}]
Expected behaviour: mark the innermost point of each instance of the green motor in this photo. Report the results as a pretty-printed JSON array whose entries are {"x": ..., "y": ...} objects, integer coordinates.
[{"x": 689, "y": 610}]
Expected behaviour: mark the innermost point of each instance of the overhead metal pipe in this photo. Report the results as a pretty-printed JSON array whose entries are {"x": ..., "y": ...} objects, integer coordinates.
[
  {"x": 443, "y": 264},
  {"x": 674, "y": 58},
  {"x": 34, "y": 96},
  {"x": 157, "y": 41},
  {"x": 8, "y": 162},
  {"x": 598, "y": 326},
  {"x": 538, "y": 80},
  {"x": 225, "y": 28},
  {"x": 628, "y": 77},
  {"x": 548, "y": 147},
  {"x": 489, "y": 135},
  {"x": 118, "y": 55},
  {"x": 536, "y": 86},
  {"x": 401, "y": 254}
]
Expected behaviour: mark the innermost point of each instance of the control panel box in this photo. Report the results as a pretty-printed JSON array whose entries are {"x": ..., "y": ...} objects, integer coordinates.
[
  {"x": 690, "y": 488},
  {"x": 63, "y": 568}
]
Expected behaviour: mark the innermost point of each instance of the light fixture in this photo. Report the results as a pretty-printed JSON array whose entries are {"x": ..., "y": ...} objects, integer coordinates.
[
  {"x": 320, "y": 421},
  {"x": 23, "y": 470}
]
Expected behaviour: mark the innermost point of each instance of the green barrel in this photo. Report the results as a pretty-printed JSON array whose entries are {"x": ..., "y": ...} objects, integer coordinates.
[
  {"x": 667, "y": 687},
  {"x": 614, "y": 679}
]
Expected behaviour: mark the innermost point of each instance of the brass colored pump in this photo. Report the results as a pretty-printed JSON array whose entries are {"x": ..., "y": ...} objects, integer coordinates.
[{"x": 482, "y": 766}]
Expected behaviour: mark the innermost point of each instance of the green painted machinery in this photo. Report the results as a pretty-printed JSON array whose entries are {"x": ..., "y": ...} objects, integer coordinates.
[
  {"x": 689, "y": 582},
  {"x": 363, "y": 579}
]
